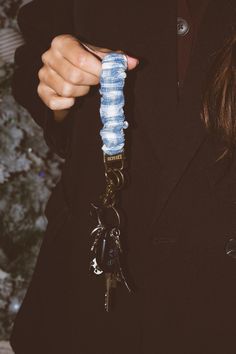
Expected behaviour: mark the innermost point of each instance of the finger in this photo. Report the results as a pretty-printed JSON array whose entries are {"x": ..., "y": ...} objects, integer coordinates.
[
  {"x": 132, "y": 62},
  {"x": 63, "y": 88},
  {"x": 52, "y": 100},
  {"x": 68, "y": 71},
  {"x": 71, "y": 50},
  {"x": 102, "y": 52}
]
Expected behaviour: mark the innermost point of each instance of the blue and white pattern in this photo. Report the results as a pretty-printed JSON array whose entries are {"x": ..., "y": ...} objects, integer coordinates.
[{"x": 112, "y": 115}]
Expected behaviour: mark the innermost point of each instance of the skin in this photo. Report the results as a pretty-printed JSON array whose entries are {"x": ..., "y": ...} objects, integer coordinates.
[{"x": 69, "y": 69}]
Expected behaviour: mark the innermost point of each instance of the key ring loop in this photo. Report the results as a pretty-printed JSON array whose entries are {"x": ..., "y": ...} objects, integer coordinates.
[
  {"x": 115, "y": 178},
  {"x": 101, "y": 214}
]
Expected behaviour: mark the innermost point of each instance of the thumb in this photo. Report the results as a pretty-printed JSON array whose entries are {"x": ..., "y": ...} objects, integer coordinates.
[{"x": 102, "y": 52}]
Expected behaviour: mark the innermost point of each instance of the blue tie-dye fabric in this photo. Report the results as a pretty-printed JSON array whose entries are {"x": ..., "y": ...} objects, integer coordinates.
[{"x": 112, "y": 115}]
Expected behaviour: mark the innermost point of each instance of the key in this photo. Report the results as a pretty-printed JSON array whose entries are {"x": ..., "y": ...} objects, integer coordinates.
[{"x": 111, "y": 282}]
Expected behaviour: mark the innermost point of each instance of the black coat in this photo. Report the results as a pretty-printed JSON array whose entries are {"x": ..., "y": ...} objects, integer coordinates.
[{"x": 179, "y": 205}]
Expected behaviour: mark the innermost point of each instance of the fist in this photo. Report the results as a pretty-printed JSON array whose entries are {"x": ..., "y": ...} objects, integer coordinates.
[{"x": 69, "y": 69}]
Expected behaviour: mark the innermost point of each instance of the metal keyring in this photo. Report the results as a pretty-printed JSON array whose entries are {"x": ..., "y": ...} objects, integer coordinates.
[{"x": 101, "y": 223}]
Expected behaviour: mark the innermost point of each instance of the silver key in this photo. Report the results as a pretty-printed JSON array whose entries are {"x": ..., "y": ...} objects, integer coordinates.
[{"x": 111, "y": 283}]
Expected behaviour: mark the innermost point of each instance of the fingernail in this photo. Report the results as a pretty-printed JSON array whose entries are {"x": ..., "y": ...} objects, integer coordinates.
[{"x": 133, "y": 60}]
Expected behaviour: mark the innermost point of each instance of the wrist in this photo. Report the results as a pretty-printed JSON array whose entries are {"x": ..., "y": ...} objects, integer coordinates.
[{"x": 60, "y": 115}]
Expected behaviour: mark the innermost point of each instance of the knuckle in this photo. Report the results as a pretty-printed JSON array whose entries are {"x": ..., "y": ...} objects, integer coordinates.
[
  {"x": 41, "y": 74},
  {"x": 74, "y": 76},
  {"x": 44, "y": 57},
  {"x": 52, "y": 103},
  {"x": 82, "y": 59},
  {"x": 40, "y": 91},
  {"x": 66, "y": 90},
  {"x": 58, "y": 40}
]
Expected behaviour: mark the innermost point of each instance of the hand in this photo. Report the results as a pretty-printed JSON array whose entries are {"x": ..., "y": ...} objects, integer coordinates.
[{"x": 68, "y": 72}]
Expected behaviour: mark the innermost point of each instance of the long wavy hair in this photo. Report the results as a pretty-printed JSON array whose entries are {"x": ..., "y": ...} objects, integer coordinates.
[{"x": 219, "y": 99}]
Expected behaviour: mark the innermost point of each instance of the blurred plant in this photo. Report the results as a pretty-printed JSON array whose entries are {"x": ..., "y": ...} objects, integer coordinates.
[{"x": 28, "y": 171}]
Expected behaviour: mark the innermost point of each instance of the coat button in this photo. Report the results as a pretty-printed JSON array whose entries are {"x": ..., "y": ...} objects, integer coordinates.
[
  {"x": 230, "y": 248},
  {"x": 182, "y": 27}
]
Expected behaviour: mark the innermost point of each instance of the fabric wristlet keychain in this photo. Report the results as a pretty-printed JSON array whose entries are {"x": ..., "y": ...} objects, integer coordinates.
[{"x": 106, "y": 251}]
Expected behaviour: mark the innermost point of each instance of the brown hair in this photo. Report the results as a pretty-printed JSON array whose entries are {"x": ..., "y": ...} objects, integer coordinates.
[{"x": 219, "y": 100}]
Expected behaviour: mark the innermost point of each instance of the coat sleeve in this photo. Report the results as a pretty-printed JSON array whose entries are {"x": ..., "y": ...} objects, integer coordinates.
[{"x": 38, "y": 24}]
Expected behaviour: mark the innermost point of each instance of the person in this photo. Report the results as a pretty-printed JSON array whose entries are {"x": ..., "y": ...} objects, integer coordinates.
[{"x": 178, "y": 206}]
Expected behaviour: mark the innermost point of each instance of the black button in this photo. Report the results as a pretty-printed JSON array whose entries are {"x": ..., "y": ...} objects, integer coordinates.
[
  {"x": 230, "y": 248},
  {"x": 182, "y": 27}
]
